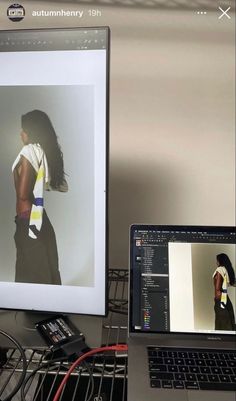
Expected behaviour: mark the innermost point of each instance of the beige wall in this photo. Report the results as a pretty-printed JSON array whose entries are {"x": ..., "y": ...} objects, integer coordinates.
[{"x": 172, "y": 116}]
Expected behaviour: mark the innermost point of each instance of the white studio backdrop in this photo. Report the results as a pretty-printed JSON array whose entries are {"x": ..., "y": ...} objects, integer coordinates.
[{"x": 71, "y": 110}]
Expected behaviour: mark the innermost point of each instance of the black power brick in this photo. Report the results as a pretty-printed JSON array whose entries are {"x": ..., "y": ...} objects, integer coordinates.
[{"x": 62, "y": 337}]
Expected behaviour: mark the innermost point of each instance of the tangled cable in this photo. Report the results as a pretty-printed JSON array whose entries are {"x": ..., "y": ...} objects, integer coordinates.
[
  {"x": 53, "y": 364},
  {"x": 118, "y": 347},
  {"x": 24, "y": 366}
]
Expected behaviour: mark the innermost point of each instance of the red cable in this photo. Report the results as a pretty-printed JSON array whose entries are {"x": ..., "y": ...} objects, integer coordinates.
[{"x": 119, "y": 347}]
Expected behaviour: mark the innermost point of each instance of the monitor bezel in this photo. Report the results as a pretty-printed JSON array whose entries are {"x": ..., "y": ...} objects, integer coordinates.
[{"x": 107, "y": 158}]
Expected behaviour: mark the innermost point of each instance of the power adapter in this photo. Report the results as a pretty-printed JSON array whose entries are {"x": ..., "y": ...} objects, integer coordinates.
[{"x": 62, "y": 337}]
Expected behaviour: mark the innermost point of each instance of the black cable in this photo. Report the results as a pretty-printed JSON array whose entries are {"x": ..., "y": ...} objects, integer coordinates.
[
  {"x": 42, "y": 365},
  {"x": 91, "y": 380},
  {"x": 53, "y": 364},
  {"x": 24, "y": 366}
]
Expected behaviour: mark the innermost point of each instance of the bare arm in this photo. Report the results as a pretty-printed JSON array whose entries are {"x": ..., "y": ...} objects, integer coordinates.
[
  {"x": 24, "y": 183},
  {"x": 218, "y": 281}
]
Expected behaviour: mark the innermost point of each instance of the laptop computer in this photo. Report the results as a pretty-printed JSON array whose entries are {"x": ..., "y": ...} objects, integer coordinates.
[{"x": 175, "y": 350}]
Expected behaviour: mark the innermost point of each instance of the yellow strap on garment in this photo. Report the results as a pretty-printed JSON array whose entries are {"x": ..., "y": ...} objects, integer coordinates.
[
  {"x": 36, "y": 215},
  {"x": 40, "y": 174}
]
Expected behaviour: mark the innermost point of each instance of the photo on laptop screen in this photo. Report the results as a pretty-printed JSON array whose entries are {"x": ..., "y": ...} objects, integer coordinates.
[
  {"x": 173, "y": 279},
  {"x": 54, "y": 141}
]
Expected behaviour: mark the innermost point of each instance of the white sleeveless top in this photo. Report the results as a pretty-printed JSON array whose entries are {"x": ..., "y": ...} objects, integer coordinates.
[{"x": 224, "y": 274}]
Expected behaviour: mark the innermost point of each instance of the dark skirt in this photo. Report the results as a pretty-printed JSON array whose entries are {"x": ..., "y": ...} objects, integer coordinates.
[
  {"x": 224, "y": 318},
  {"x": 36, "y": 259}
]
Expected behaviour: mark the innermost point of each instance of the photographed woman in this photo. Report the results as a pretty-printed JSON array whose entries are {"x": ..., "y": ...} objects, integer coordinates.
[
  {"x": 223, "y": 277},
  {"x": 38, "y": 167}
]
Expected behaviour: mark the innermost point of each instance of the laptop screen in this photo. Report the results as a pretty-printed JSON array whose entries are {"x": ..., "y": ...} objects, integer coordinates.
[{"x": 182, "y": 279}]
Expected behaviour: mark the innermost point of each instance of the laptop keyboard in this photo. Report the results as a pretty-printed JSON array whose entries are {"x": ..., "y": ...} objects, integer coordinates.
[{"x": 192, "y": 370}]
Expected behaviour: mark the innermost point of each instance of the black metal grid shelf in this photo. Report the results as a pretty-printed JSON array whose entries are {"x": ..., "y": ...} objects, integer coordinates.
[{"x": 103, "y": 378}]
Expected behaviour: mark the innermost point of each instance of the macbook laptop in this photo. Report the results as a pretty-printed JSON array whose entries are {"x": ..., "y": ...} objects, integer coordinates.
[{"x": 176, "y": 352}]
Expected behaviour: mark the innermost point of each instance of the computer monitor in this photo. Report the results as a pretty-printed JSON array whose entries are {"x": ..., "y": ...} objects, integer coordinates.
[{"x": 54, "y": 83}]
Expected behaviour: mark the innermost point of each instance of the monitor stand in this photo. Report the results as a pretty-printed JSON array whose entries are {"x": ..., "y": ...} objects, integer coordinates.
[{"x": 21, "y": 325}]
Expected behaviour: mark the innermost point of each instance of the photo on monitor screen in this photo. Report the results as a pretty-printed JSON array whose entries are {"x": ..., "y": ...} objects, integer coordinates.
[
  {"x": 54, "y": 168},
  {"x": 196, "y": 309}
]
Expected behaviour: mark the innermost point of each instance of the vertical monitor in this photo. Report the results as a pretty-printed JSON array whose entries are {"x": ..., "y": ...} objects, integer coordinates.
[{"x": 54, "y": 169}]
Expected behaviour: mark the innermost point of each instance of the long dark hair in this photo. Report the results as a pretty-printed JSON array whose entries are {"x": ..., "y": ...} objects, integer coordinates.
[
  {"x": 40, "y": 130},
  {"x": 224, "y": 260}
]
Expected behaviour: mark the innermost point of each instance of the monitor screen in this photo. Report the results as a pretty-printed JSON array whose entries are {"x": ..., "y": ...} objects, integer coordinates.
[
  {"x": 54, "y": 169},
  {"x": 173, "y": 279}
]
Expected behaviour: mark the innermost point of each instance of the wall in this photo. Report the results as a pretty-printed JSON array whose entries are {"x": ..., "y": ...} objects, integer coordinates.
[
  {"x": 182, "y": 313},
  {"x": 172, "y": 116}
]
